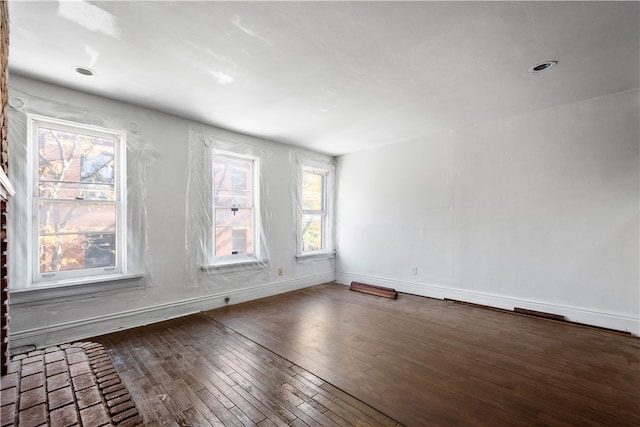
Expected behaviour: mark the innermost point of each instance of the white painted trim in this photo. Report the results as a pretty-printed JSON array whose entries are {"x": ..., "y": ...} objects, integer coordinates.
[
  {"x": 327, "y": 168},
  {"x": 251, "y": 263},
  {"x": 81, "y": 329},
  {"x": 35, "y": 277},
  {"x": 6, "y": 189},
  {"x": 66, "y": 289},
  {"x": 316, "y": 255},
  {"x": 573, "y": 314}
]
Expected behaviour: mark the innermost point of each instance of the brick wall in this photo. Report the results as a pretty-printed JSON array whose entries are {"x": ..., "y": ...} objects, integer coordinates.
[{"x": 4, "y": 163}]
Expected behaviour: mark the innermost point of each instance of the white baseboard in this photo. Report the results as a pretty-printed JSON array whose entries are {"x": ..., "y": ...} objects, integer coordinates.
[
  {"x": 82, "y": 329},
  {"x": 573, "y": 314}
]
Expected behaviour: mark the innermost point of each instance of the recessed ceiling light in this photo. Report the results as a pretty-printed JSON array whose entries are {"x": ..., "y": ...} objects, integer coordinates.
[
  {"x": 84, "y": 71},
  {"x": 542, "y": 66}
]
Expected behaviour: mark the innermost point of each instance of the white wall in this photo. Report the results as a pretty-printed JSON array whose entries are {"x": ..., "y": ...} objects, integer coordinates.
[
  {"x": 538, "y": 211},
  {"x": 163, "y": 292}
]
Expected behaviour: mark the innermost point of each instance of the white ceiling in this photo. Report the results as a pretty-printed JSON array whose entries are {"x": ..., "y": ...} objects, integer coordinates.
[{"x": 335, "y": 77}]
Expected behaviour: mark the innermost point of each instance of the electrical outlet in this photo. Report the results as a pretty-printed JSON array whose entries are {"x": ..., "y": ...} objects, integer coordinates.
[
  {"x": 414, "y": 271},
  {"x": 280, "y": 272}
]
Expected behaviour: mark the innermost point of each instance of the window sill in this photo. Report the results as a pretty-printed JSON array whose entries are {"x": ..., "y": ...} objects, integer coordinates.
[
  {"x": 64, "y": 289},
  {"x": 233, "y": 267},
  {"x": 316, "y": 255}
]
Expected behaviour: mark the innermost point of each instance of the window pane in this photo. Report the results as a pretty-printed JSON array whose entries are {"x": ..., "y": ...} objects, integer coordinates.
[
  {"x": 239, "y": 239},
  {"x": 312, "y": 191},
  {"x": 100, "y": 250},
  {"x": 76, "y": 251},
  {"x": 75, "y": 166},
  {"x": 69, "y": 217},
  {"x": 311, "y": 232},
  {"x": 232, "y": 180},
  {"x": 234, "y": 231}
]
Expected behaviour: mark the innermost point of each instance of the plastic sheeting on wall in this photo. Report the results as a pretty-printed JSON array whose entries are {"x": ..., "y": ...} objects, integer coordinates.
[
  {"x": 321, "y": 163},
  {"x": 202, "y": 267},
  {"x": 140, "y": 153}
]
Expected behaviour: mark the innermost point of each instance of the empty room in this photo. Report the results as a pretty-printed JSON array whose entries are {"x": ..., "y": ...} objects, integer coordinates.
[{"x": 311, "y": 213}]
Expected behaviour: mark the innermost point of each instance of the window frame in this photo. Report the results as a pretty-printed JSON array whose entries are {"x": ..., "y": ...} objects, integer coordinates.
[
  {"x": 89, "y": 275},
  {"x": 256, "y": 223},
  {"x": 327, "y": 172}
]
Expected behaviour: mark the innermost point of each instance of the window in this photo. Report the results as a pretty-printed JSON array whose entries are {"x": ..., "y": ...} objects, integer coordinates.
[
  {"x": 78, "y": 200},
  {"x": 235, "y": 208},
  {"x": 314, "y": 197}
]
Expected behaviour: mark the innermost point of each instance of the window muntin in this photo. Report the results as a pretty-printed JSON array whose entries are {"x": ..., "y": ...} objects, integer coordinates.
[
  {"x": 235, "y": 208},
  {"x": 314, "y": 210},
  {"x": 78, "y": 198}
]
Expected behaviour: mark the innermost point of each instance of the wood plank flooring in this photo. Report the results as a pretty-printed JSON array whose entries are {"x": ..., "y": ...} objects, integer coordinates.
[
  {"x": 194, "y": 371},
  {"x": 429, "y": 362}
]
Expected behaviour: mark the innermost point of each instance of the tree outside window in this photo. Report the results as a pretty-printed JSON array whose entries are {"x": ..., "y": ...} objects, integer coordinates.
[
  {"x": 76, "y": 196},
  {"x": 314, "y": 210}
]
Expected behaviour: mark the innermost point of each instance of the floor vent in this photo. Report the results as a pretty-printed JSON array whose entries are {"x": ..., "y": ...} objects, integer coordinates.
[
  {"x": 374, "y": 290},
  {"x": 539, "y": 314}
]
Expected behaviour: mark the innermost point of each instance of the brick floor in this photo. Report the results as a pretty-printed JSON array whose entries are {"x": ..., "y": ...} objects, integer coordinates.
[{"x": 68, "y": 385}]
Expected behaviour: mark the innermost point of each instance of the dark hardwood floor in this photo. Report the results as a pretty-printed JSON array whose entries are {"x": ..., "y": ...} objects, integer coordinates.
[
  {"x": 298, "y": 358},
  {"x": 194, "y": 371},
  {"x": 430, "y": 362}
]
